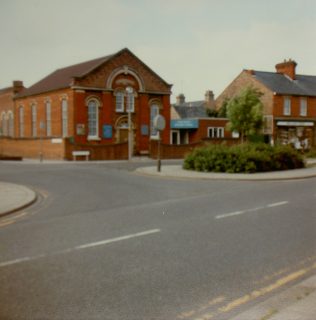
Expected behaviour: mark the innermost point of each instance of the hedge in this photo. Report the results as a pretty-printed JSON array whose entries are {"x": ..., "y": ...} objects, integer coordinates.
[{"x": 245, "y": 158}]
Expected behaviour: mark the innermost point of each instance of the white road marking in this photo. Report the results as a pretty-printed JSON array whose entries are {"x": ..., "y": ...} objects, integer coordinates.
[
  {"x": 104, "y": 242},
  {"x": 236, "y": 213},
  {"x": 16, "y": 261},
  {"x": 277, "y": 204},
  {"x": 231, "y": 214},
  {"x": 84, "y": 246}
]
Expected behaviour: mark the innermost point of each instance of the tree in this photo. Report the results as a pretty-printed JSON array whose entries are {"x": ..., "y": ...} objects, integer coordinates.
[
  {"x": 222, "y": 112},
  {"x": 245, "y": 113}
]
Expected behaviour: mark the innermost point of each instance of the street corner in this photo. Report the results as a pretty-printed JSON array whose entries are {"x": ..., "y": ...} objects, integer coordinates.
[{"x": 15, "y": 197}]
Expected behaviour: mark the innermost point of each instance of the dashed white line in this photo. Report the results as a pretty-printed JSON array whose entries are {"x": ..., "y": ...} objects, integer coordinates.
[
  {"x": 277, "y": 204},
  {"x": 84, "y": 246},
  {"x": 104, "y": 242},
  {"x": 236, "y": 213},
  {"x": 231, "y": 214}
]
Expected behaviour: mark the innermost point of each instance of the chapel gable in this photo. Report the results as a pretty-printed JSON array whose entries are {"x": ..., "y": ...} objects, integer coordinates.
[{"x": 123, "y": 66}]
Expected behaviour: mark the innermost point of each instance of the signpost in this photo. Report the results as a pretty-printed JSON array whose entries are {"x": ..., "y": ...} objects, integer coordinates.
[
  {"x": 159, "y": 125},
  {"x": 129, "y": 92},
  {"x": 42, "y": 127}
]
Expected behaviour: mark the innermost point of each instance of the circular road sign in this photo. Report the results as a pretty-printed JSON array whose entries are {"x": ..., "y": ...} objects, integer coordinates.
[{"x": 159, "y": 122}]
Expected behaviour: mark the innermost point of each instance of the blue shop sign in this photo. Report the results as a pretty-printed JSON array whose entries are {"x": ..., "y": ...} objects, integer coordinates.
[{"x": 185, "y": 124}]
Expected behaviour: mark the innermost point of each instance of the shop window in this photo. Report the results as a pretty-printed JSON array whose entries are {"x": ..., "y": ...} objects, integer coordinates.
[
  {"x": 287, "y": 106},
  {"x": 215, "y": 132},
  {"x": 303, "y": 107}
]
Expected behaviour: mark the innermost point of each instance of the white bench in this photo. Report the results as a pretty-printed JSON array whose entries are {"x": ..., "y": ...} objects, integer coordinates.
[{"x": 80, "y": 153}]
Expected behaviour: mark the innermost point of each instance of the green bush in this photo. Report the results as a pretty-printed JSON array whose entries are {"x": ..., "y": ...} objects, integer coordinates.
[
  {"x": 311, "y": 153},
  {"x": 247, "y": 158}
]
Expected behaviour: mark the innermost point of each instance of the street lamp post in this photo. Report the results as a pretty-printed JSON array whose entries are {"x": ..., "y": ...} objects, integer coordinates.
[
  {"x": 42, "y": 127},
  {"x": 129, "y": 92},
  {"x": 159, "y": 125}
]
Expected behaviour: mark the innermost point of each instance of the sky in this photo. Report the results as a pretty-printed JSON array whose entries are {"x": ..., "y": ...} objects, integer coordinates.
[{"x": 196, "y": 45}]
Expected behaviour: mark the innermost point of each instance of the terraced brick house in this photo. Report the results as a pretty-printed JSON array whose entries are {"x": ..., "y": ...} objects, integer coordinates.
[{"x": 289, "y": 101}]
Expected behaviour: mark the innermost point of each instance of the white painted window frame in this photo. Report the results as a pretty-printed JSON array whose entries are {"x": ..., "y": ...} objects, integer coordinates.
[
  {"x": 216, "y": 132},
  {"x": 287, "y": 106},
  {"x": 95, "y": 134}
]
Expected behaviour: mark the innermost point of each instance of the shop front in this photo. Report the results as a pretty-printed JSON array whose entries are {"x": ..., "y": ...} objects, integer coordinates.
[
  {"x": 300, "y": 134},
  {"x": 182, "y": 129}
]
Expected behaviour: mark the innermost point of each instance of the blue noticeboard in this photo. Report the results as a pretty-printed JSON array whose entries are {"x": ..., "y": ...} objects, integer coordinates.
[
  {"x": 144, "y": 130},
  {"x": 185, "y": 124},
  {"x": 107, "y": 131}
]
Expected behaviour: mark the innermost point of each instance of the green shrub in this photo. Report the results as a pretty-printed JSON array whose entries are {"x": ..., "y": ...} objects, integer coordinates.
[
  {"x": 311, "y": 153},
  {"x": 247, "y": 158}
]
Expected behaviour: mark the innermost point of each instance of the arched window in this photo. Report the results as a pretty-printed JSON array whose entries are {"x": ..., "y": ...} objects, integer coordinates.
[
  {"x": 21, "y": 121},
  {"x": 34, "y": 120},
  {"x": 93, "y": 119},
  {"x": 48, "y": 119},
  {"x": 64, "y": 117},
  {"x": 130, "y": 107},
  {"x": 154, "y": 111},
  {"x": 119, "y": 101},
  {"x": 10, "y": 124},
  {"x": 3, "y": 124}
]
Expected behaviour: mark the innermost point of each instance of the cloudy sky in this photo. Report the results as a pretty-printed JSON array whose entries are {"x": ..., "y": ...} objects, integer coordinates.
[{"x": 195, "y": 45}]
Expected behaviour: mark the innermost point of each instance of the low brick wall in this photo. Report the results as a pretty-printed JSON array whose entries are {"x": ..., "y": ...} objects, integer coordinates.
[
  {"x": 180, "y": 151},
  {"x": 32, "y": 148},
  {"x": 98, "y": 152}
]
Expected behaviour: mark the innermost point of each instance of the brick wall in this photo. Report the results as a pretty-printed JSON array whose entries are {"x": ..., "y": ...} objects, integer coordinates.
[
  {"x": 31, "y": 148},
  {"x": 117, "y": 151},
  {"x": 125, "y": 58},
  {"x": 242, "y": 81},
  {"x": 55, "y": 99},
  {"x": 168, "y": 151},
  {"x": 295, "y": 107}
]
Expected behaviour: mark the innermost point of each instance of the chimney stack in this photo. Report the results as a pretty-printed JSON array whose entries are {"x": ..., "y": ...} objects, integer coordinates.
[
  {"x": 287, "y": 68},
  {"x": 209, "y": 99},
  {"x": 17, "y": 86},
  {"x": 180, "y": 99}
]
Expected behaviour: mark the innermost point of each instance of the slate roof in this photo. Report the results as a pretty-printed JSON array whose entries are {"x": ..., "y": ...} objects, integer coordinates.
[
  {"x": 4, "y": 90},
  {"x": 281, "y": 84},
  {"x": 62, "y": 78},
  {"x": 195, "y": 109}
]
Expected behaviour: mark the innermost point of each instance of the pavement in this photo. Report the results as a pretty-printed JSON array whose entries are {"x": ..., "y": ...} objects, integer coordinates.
[
  {"x": 295, "y": 303},
  {"x": 15, "y": 197},
  {"x": 176, "y": 171}
]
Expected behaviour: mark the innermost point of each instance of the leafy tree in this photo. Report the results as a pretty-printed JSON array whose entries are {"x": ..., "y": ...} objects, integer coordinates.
[
  {"x": 222, "y": 112},
  {"x": 212, "y": 113},
  {"x": 245, "y": 113}
]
